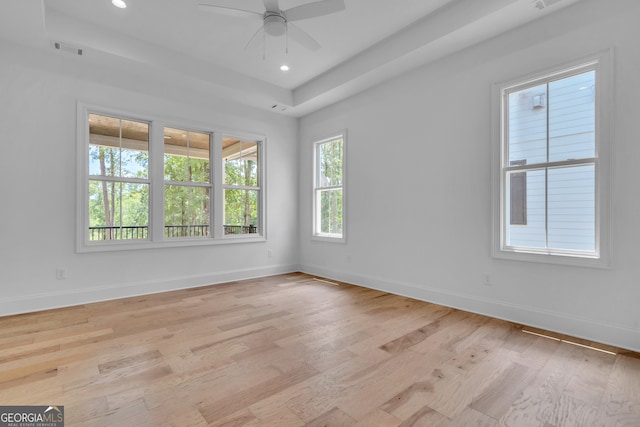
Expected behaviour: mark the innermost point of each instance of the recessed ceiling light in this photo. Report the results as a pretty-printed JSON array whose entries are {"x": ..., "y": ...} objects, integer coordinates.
[
  {"x": 119, "y": 3},
  {"x": 284, "y": 67}
]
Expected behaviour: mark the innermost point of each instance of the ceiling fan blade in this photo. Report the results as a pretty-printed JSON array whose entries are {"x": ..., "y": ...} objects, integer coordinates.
[
  {"x": 299, "y": 35},
  {"x": 229, "y": 11},
  {"x": 271, "y": 5},
  {"x": 316, "y": 8},
  {"x": 253, "y": 37}
]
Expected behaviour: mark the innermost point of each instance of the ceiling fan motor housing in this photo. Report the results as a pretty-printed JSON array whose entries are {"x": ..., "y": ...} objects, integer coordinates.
[{"x": 275, "y": 24}]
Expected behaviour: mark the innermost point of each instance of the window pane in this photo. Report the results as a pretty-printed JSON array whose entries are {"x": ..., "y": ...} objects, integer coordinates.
[
  {"x": 330, "y": 211},
  {"x": 118, "y": 148},
  {"x": 104, "y": 161},
  {"x": 240, "y": 162},
  {"x": 572, "y": 117},
  {"x": 118, "y": 211},
  {"x": 330, "y": 161},
  {"x": 532, "y": 233},
  {"x": 518, "y": 198},
  {"x": 572, "y": 208},
  {"x": 186, "y": 211},
  {"x": 135, "y": 149},
  {"x": 240, "y": 211},
  {"x": 186, "y": 155},
  {"x": 527, "y": 123}
]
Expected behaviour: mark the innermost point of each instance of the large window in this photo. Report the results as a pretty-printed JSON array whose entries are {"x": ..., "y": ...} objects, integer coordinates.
[
  {"x": 329, "y": 184},
  {"x": 144, "y": 183},
  {"x": 552, "y": 165}
]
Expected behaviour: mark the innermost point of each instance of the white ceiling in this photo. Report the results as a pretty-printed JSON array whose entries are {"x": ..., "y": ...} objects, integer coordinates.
[{"x": 369, "y": 42}]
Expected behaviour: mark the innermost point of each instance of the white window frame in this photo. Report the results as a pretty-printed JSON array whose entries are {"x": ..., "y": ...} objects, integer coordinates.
[
  {"x": 187, "y": 184},
  {"x": 316, "y": 233},
  {"x": 219, "y": 207},
  {"x": 602, "y": 64},
  {"x": 156, "y": 180}
]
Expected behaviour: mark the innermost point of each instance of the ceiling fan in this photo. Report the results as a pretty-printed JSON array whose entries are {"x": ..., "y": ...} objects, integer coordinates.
[{"x": 276, "y": 22}]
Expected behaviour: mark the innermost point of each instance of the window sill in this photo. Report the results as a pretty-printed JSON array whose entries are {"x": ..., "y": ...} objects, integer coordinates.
[
  {"x": 573, "y": 260},
  {"x": 328, "y": 239},
  {"x": 177, "y": 243}
]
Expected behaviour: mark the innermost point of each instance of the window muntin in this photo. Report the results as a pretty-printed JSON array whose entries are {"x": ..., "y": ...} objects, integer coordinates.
[
  {"x": 329, "y": 188},
  {"x": 550, "y": 151},
  {"x": 241, "y": 186},
  {"x": 187, "y": 185},
  {"x": 118, "y": 186}
]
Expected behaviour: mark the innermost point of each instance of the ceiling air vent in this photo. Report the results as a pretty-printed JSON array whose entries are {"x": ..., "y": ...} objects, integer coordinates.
[
  {"x": 278, "y": 107},
  {"x": 541, "y": 4},
  {"x": 64, "y": 47}
]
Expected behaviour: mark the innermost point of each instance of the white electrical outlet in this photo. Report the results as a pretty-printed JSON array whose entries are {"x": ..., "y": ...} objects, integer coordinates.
[
  {"x": 270, "y": 253},
  {"x": 61, "y": 273},
  {"x": 486, "y": 279}
]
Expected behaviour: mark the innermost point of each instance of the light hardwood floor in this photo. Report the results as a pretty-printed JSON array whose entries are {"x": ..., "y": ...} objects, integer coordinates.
[{"x": 291, "y": 350}]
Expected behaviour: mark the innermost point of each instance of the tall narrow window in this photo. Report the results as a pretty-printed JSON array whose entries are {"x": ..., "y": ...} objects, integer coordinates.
[
  {"x": 187, "y": 179},
  {"x": 241, "y": 186},
  {"x": 550, "y": 165},
  {"x": 329, "y": 188},
  {"x": 118, "y": 188}
]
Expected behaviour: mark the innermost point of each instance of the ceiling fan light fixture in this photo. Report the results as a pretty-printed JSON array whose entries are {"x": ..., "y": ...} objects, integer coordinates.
[
  {"x": 275, "y": 25},
  {"x": 119, "y": 3},
  {"x": 284, "y": 67}
]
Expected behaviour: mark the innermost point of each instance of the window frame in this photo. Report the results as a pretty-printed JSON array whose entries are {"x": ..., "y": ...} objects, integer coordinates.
[
  {"x": 187, "y": 184},
  {"x": 316, "y": 234},
  {"x": 156, "y": 184},
  {"x": 121, "y": 179},
  {"x": 260, "y": 188},
  {"x": 602, "y": 64}
]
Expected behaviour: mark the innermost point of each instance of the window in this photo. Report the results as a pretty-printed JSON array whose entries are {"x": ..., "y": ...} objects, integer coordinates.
[
  {"x": 187, "y": 183},
  {"x": 553, "y": 166},
  {"x": 118, "y": 187},
  {"x": 329, "y": 184},
  {"x": 144, "y": 183},
  {"x": 241, "y": 186}
]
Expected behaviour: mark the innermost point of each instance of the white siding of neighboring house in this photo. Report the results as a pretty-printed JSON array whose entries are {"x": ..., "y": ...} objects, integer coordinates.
[{"x": 569, "y": 213}]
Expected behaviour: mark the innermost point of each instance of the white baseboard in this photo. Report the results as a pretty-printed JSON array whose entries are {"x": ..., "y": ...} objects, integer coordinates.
[
  {"x": 614, "y": 335},
  {"x": 50, "y": 300}
]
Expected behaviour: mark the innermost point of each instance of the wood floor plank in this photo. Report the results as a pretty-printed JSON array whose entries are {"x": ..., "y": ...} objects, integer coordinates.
[
  {"x": 498, "y": 397},
  {"x": 335, "y": 417},
  {"x": 537, "y": 403},
  {"x": 212, "y": 410},
  {"x": 372, "y": 390},
  {"x": 282, "y": 418},
  {"x": 293, "y": 350},
  {"x": 426, "y": 417},
  {"x": 378, "y": 418},
  {"x": 590, "y": 380}
]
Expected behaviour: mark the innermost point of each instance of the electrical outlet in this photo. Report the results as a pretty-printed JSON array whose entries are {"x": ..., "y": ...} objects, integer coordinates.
[
  {"x": 270, "y": 253},
  {"x": 61, "y": 273},
  {"x": 486, "y": 279}
]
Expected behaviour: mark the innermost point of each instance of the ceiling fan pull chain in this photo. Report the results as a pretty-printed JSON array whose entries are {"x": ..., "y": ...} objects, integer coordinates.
[
  {"x": 264, "y": 45},
  {"x": 286, "y": 36}
]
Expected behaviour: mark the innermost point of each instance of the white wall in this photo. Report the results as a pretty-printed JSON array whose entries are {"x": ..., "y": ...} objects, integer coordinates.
[
  {"x": 419, "y": 183},
  {"x": 38, "y": 95}
]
